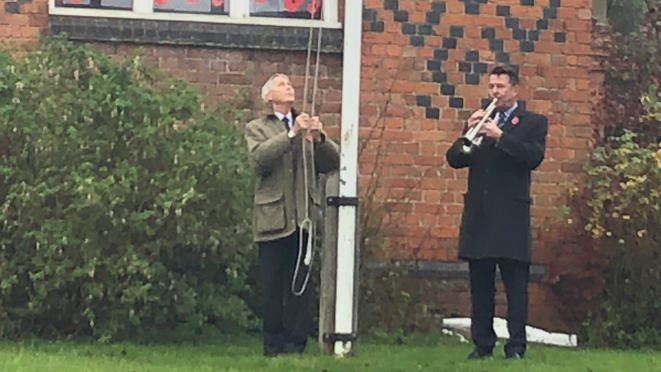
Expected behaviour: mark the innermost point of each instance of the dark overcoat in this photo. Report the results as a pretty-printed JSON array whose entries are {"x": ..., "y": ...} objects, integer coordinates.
[{"x": 496, "y": 221}]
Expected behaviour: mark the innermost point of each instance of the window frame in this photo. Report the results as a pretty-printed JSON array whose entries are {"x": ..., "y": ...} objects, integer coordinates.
[{"x": 239, "y": 14}]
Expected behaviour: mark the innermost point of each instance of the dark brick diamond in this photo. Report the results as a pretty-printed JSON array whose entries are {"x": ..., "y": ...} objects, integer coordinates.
[
  {"x": 465, "y": 67},
  {"x": 434, "y": 18},
  {"x": 503, "y": 10},
  {"x": 441, "y": 54},
  {"x": 447, "y": 90},
  {"x": 450, "y": 43},
  {"x": 424, "y": 101},
  {"x": 417, "y": 41},
  {"x": 473, "y": 79},
  {"x": 391, "y": 4},
  {"x": 12, "y": 8},
  {"x": 378, "y": 26},
  {"x": 401, "y": 16},
  {"x": 432, "y": 113},
  {"x": 456, "y": 102},
  {"x": 439, "y": 77},
  {"x": 433, "y": 65},
  {"x": 488, "y": 33},
  {"x": 472, "y": 55},
  {"x": 457, "y": 31}
]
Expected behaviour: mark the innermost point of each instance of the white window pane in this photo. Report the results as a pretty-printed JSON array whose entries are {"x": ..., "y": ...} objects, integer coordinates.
[
  {"x": 286, "y": 8},
  {"x": 107, "y": 4},
  {"x": 117, "y": 4},
  {"x": 192, "y": 6}
]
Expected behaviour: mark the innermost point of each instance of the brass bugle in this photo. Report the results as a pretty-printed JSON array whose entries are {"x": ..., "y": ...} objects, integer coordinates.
[{"x": 471, "y": 139}]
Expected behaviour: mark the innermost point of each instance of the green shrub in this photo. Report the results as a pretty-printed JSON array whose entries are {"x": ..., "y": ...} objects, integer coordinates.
[
  {"x": 633, "y": 63},
  {"x": 624, "y": 188},
  {"x": 607, "y": 274},
  {"x": 625, "y": 15},
  {"x": 125, "y": 207}
]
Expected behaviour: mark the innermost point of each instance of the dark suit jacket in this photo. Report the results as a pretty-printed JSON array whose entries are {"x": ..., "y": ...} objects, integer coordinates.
[{"x": 496, "y": 218}]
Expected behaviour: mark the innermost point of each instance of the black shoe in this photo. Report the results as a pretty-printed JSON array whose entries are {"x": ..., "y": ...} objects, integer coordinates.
[
  {"x": 475, "y": 354},
  {"x": 514, "y": 356}
]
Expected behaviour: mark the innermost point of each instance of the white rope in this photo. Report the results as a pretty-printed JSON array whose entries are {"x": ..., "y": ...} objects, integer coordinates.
[{"x": 308, "y": 158}]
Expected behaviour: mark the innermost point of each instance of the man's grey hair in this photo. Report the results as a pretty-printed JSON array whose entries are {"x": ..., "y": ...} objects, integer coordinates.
[{"x": 268, "y": 86}]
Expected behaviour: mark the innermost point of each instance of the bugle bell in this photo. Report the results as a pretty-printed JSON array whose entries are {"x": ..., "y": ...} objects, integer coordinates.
[{"x": 470, "y": 139}]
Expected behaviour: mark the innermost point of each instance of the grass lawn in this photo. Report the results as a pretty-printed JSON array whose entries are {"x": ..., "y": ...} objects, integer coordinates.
[{"x": 414, "y": 354}]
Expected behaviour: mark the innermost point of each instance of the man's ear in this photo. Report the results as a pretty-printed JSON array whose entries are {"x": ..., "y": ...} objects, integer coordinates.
[
  {"x": 515, "y": 89},
  {"x": 269, "y": 96}
]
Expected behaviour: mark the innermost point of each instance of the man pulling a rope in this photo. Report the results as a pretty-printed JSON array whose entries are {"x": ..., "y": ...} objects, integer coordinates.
[{"x": 287, "y": 150}]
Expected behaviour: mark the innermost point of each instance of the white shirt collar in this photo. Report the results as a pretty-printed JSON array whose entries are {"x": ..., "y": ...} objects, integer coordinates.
[
  {"x": 505, "y": 115},
  {"x": 289, "y": 116},
  {"x": 511, "y": 110}
]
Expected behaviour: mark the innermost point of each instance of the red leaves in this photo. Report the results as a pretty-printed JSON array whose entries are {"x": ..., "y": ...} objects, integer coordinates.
[
  {"x": 314, "y": 6},
  {"x": 160, "y": 2},
  {"x": 293, "y": 5},
  {"x": 218, "y": 3}
]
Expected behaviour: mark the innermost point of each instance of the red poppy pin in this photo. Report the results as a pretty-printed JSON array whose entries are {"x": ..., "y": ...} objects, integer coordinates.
[{"x": 515, "y": 121}]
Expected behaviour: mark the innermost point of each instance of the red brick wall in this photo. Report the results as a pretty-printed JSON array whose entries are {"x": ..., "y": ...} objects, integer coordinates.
[
  {"x": 22, "y": 23},
  {"x": 226, "y": 74},
  {"x": 414, "y": 71},
  {"x": 556, "y": 81}
]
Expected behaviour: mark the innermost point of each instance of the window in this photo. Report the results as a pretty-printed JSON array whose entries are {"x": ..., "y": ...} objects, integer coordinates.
[{"x": 295, "y": 13}]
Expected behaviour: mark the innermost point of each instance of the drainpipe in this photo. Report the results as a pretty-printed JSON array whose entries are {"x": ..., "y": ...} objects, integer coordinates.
[
  {"x": 344, "y": 337},
  {"x": 600, "y": 11}
]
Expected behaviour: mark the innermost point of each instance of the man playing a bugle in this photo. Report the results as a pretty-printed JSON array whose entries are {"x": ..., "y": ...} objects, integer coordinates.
[{"x": 496, "y": 223}]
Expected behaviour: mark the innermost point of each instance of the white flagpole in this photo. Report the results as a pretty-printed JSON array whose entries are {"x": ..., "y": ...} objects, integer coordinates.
[{"x": 347, "y": 216}]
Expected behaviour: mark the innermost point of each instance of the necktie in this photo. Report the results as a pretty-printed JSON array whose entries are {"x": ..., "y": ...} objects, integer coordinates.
[
  {"x": 501, "y": 120},
  {"x": 286, "y": 121}
]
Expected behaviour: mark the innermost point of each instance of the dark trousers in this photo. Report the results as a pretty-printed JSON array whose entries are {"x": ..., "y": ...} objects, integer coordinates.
[
  {"x": 515, "y": 275},
  {"x": 287, "y": 321}
]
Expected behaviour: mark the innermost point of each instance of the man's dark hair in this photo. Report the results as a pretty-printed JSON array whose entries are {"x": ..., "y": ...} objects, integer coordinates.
[{"x": 502, "y": 70}]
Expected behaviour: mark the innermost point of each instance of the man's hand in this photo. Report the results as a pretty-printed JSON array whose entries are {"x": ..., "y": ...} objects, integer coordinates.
[
  {"x": 475, "y": 118},
  {"x": 316, "y": 126},
  {"x": 490, "y": 129},
  {"x": 301, "y": 124}
]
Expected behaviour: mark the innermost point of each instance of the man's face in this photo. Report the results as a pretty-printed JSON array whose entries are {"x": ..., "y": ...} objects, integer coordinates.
[
  {"x": 282, "y": 91},
  {"x": 501, "y": 87}
]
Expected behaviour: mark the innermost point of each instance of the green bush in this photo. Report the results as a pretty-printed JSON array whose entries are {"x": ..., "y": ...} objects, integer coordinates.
[
  {"x": 607, "y": 274},
  {"x": 624, "y": 188},
  {"x": 125, "y": 206},
  {"x": 625, "y": 15}
]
